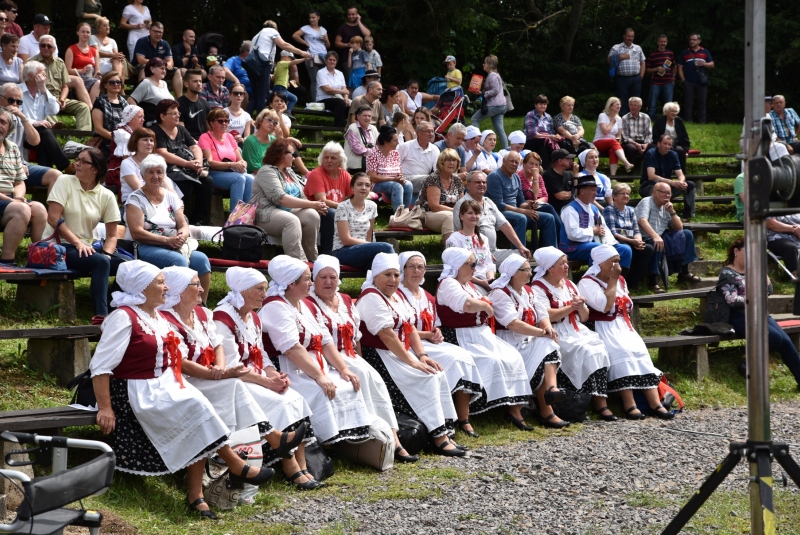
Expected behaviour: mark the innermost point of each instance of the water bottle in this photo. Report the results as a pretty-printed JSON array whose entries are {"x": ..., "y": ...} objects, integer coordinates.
[{"x": 91, "y": 71}]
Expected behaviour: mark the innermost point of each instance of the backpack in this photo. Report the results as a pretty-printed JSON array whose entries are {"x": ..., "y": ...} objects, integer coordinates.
[{"x": 244, "y": 243}]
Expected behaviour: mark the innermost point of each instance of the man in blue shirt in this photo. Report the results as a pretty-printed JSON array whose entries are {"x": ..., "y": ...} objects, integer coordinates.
[
  {"x": 234, "y": 64},
  {"x": 153, "y": 46},
  {"x": 660, "y": 163},
  {"x": 503, "y": 187},
  {"x": 693, "y": 66},
  {"x": 786, "y": 123}
]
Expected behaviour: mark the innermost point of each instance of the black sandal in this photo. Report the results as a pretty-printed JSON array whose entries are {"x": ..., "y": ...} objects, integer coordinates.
[
  {"x": 264, "y": 475},
  {"x": 205, "y": 514},
  {"x": 630, "y": 416},
  {"x": 553, "y": 425},
  {"x": 286, "y": 446},
  {"x": 666, "y": 415},
  {"x": 554, "y": 395},
  {"x": 460, "y": 425},
  {"x": 606, "y": 417},
  {"x": 305, "y": 485},
  {"x": 455, "y": 452},
  {"x": 519, "y": 424},
  {"x": 319, "y": 483},
  {"x": 404, "y": 458}
]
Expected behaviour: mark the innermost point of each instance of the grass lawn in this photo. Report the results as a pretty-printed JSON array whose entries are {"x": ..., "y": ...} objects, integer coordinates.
[{"x": 156, "y": 505}]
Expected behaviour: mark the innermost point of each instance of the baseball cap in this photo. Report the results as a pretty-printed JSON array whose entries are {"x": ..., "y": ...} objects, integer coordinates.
[
  {"x": 42, "y": 19},
  {"x": 517, "y": 136},
  {"x": 472, "y": 132},
  {"x": 449, "y": 59},
  {"x": 286, "y": 54},
  {"x": 561, "y": 153}
]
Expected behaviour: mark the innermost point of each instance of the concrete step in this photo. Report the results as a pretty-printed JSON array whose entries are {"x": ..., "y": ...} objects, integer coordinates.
[
  {"x": 780, "y": 304},
  {"x": 785, "y": 316},
  {"x": 706, "y": 267},
  {"x": 704, "y": 282}
]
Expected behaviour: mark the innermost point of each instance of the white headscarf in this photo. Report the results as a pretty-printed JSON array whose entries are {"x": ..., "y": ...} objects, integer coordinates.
[
  {"x": 382, "y": 262},
  {"x": 545, "y": 258},
  {"x": 600, "y": 254},
  {"x": 325, "y": 261},
  {"x": 177, "y": 279},
  {"x": 133, "y": 277},
  {"x": 240, "y": 279},
  {"x": 516, "y": 137},
  {"x": 582, "y": 157},
  {"x": 508, "y": 269},
  {"x": 284, "y": 270},
  {"x": 453, "y": 258},
  {"x": 485, "y": 134},
  {"x": 127, "y": 114},
  {"x": 405, "y": 257}
]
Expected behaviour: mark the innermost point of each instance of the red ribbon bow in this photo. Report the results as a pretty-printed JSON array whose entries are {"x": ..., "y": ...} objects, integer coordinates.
[
  {"x": 316, "y": 347},
  {"x": 405, "y": 334},
  {"x": 622, "y": 308},
  {"x": 527, "y": 317},
  {"x": 174, "y": 358},
  {"x": 207, "y": 357},
  {"x": 572, "y": 316},
  {"x": 346, "y": 334},
  {"x": 427, "y": 320},
  {"x": 257, "y": 358},
  {"x": 491, "y": 319}
]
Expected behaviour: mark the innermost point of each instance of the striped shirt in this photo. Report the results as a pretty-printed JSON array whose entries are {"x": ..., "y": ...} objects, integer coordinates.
[
  {"x": 637, "y": 129},
  {"x": 11, "y": 170},
  {"x": 632, "y": 65},
  {"x": 660, "y": 59}
]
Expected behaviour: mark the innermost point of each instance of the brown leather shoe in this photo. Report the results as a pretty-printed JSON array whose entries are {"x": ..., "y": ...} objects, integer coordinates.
[{"x": 656, "y": 289}]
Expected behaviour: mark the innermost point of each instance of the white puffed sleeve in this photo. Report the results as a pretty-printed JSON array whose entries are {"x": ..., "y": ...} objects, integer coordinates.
[
  {"x": 214, "y": 338},
  {"x": 541, "y": 297},
  {"x": 311, "y": 324},
  {"x": 279, "y": 323},
  {"x": 452, "y": 295},
  {"x": 375, "y": 313},
  {"x": 356, "y": 319},
  {"x": 113, "y": 343},
  {"x": 539, "y": 310},
  {"x": 229, "y": 346},
  {"x": 504, "y": 307},
  {"x": 595, "y": 295}
]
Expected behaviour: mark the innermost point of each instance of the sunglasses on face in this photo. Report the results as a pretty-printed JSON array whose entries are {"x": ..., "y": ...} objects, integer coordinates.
[
  {"x": 4, "y": 19},
  {"x": 223, "y": 121},
  {"x": 45, "y": 45},
  {"x": 237, "y": 93},
  {"x": 14, "y": 101},
  {"x": 114, "y": 82}
]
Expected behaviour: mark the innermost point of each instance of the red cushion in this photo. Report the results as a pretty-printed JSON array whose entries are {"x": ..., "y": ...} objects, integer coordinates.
[
  {"x": 693, "y": 151},
  {"x": 789, "y": 323},
  {"x": 350, "y": 269},
  {"x": 221, "y": 262}
]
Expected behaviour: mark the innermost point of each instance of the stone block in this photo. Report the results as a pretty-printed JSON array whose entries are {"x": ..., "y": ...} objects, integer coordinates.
[
  {"x": 676, "y": 355},
  {"x": 43, "y": 296},
  {"x": 62, "y": 359}
]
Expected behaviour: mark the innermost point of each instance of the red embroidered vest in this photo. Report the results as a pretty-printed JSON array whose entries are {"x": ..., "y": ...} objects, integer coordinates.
[
  {"x": 451, "y": 318},
  {"x": 250, "y": 354},
  {"x": 572, "y": 317},
  {"x": 622, "y": 305},
  {"x": 374, "y": 341},
  {"x": 426, "y": 320},
  {"x": 141, "y": 356},
  {"x": 345, "y": 336},
  {"x": 314, "y": 345},
  {"x": 196, "y": 354},
  {"x": 528, "y": 314}
]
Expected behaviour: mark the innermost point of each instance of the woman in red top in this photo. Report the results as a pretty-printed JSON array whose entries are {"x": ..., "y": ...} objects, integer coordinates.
[
  {"x": 329, "y": 182},
  {"x": 83, "y": 60},
  {"x": 533, "y": 188}
]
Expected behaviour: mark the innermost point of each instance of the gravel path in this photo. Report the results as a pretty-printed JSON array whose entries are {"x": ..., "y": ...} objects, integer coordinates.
[{"x": 562, "y": 485}]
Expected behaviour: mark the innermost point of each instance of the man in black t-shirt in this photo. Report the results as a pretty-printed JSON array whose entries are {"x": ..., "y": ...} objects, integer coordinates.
[
  {"x": 186, "y": 55},
  {"x": 351, "y": 28},
  {"x": 559, "y": 179},
  {"x": 194, "y": 109}
]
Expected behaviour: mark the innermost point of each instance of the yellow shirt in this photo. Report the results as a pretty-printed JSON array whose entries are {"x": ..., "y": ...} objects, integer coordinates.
[
  {"x": 83, "y": 210},
  {"x": 455, "y": 73}
]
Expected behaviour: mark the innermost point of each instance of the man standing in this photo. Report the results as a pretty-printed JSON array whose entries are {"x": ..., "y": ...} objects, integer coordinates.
[
  {"x": 629, "y": 61},
  {"x": 660, "y": 163},
  {"x": 661, "y": 66},
  {"x": 372, "y": 99},
  {"x": 153, "y": 46},
  {"x": 188, "y": 57},
  {"x": 192, "y": 107},
  {"x": 693, "y": 66},
  {"x": 786, "y": 123},
  {"x": 655, "y": 215},
  {"x": 637, "y": 132},
  {"x": 560, "y": 178},
  {"x": 503, "y": 187},
  {"x": 58, "y": 83},
  {"x": 29, "y": 44},
  {"x": 418, "y": 157},
  {"x": 214, "y": 91},
  {"x": 491, "y": 220},
  {"x": 352, "y": 27}
]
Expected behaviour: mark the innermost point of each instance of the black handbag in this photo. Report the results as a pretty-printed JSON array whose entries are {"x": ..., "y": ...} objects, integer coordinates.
[
  {"x": 318, "y": 462},
  {"x": 84, "y": 390},
  {"x": 574, "y": 408},
  {"x": 412, "y": 433},
  {"x": 255, "y": 64},
  {"x": 717, "y": 308},
  {"x": 244, "y": 243}
]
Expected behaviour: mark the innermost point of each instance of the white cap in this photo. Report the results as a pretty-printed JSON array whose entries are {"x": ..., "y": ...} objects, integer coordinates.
[
  {"x": 472, "y": 132},
  {"x": 517, "y": 136},
  {"x": 287, "y": 54}
]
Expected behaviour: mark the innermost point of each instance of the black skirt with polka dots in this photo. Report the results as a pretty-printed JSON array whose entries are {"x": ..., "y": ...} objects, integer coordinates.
[
  {"x": 538, "y": 377},
  {"x": 635, "y": 382},
  {"x": 596, "y": 384},
  {"x": 269, "y": 454}
]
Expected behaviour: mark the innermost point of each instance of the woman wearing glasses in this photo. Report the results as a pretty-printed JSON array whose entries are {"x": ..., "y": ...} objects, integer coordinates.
[
  {"x": 227, "y": 167},
  {"x": 283, "y": 209},
  {"x": 152, "y": 89},
  {"x": 241, "y": 124},
  {"x": 266, "y": 131},
  {"x": 107, "y": 109}
]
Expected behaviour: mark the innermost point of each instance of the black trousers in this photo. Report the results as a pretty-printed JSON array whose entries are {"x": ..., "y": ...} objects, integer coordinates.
[
  {"x": 640, "y": 263},
  {"x": 337, "y": 106},
  {"x": 48, "y": 151},
  {"x": 201, "y": 195}
]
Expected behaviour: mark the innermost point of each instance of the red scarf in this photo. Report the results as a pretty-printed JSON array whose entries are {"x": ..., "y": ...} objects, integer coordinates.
[
  {"x": 346, "y": 334},
  {"x": 491, "y": 319},
  {"x": 173, "y": 353},
  {"x": 405, "y": 334},
  {"x": 572, "y": 316},
  {"x": 427, "y": 320},
  {"x": 527, "y": 317},
  {"x": 316, "y": 347}
]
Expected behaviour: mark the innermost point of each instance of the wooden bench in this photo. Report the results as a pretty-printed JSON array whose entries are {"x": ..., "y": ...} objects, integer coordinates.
[
  {"x": 702, "y": 230},
  {"x": 316, "y": 131},
  {"x": 46, "y": 421},
  {"x": 394, "y": 236},
  {"x": 315, "y": 113},
  {"x": 715, "y": 199},
  {"x": 698, "y": 180}
]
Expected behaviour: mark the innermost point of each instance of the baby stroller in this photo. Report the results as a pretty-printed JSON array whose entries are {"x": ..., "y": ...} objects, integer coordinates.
[
  {"x": 450, "y": 108},
  {"x": 211, "y": 39},
  {"x": 42, "y": 510}
]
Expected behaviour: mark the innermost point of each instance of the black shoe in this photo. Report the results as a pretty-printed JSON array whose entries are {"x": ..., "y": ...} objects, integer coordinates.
[
  {"x": 306, "y": 485},
  {"x": 460, "y": 425},
  {"x": 455, "y": 452},
  {"x": 264, "y": 475},
  {"x": 320, "y": 484},
  {"x": 742, "y": 369},
  {"x": 404, "y": 458},
  {"x": 206, "y": 514},
  {"x": 520, "y": 424},
  {"x": 553, "y": 395},
  {"x": 553, "y": 425},
  {"x": 630, "y": 416},
  {"x": 667, "y": 415},
  {"x": 606, "y": 417},
  {"x": 286, "y": 446}
]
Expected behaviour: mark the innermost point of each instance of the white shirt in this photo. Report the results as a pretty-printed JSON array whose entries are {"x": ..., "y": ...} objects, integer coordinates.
[
  {"x": 486, "y": 161},
  {"x": 335, "y": 80},
  {"x": 315, "y": 39},
  {"x": 604, "y": 119},
  {"x": 39, "y": 107},
  {"x": 28, "y": 44},
  {"x": 414, "y": 160},
  {"x": 571, "y": 221},
  {"x": 265, "y": 42}
]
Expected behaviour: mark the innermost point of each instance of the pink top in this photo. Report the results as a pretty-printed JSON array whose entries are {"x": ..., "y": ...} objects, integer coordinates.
[
  {"x": 318, "y": 181},
  {"x": 219, "y": 151},
  {"x": 384, "y": 165},
  {"x": 81, "y": 60},
  {"x": 527, "y": 187}
]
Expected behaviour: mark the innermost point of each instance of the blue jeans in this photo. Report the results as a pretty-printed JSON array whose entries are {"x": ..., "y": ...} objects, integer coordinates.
[
  {"x": 360, "y": 256},
  {"x": 100, "y": 267},
  {"x": 779, "y": 341},
  {"x": 522, "y": 224},
  {"x": 291, "y": 99},
  {"x": 665, "y": 92},
  {"x": 162, "y": 257},
  {"x": 496, "y": 113},
  {"x": 240, "y": 185},
  {"x": 627, "y": 86},
  {"x": 400, "y": 193},
  {"x": 584, "y": 253},
  {"x": 689, "y": 255}
]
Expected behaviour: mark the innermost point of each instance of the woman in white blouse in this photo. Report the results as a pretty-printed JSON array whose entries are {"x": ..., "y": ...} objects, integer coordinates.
[
  {"x": 471, "y": 239},
  {"x": 608, "y": 134},
  {"x": 458, "y": 366},
  {"x": 307, "y": 354},
  {"x": 487, "y": 160},
  {"x": 239, "y": 326},
  {"x": 522, "y": 321},
  {"x": 584, "y": 359},
  {"x": 162, "y": 423},
  {"x": 338, "y": 314},
  {"x": 391, "y": 343}
]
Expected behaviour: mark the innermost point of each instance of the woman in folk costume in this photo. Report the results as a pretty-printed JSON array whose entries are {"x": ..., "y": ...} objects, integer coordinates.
[
  {"x": 236, "y": 322},
  {"x": 338, "y": 314},
  {"x": 523, "y": 322},
  {"x": 468, "y": 321},
  {"x": 162, "y": 423},
  {"x": 584, "y": 359},
  {"x": 606, "y": 294},
  {"x": 306, "y": 352},
  {"x": 204, "y": 366},
  {"x": 389, "y": 342},
  {"x": 457, "y": 364}
]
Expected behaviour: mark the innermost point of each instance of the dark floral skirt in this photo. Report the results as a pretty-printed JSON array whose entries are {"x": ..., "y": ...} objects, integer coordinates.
[
  {"x": 269, "y": 454},
  {"x": 538, "y": 377}
]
